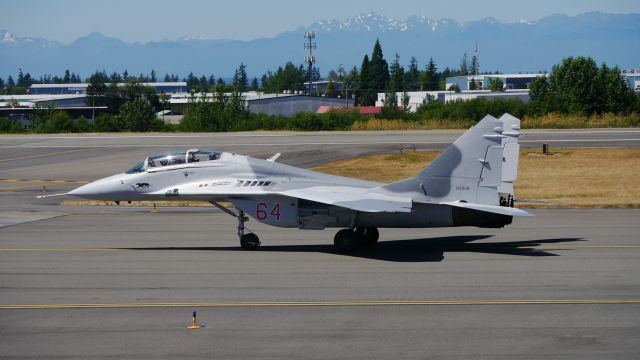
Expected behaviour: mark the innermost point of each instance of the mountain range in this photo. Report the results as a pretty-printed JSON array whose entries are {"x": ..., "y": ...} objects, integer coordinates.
[{"x": 521, "y": 46}]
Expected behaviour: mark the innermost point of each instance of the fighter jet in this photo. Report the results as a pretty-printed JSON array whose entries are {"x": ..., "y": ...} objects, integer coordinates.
[{"x": 469, "y": 184}]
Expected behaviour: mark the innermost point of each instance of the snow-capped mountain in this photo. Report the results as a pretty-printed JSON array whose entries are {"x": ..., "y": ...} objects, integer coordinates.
[{"x": 524, "y": 45}]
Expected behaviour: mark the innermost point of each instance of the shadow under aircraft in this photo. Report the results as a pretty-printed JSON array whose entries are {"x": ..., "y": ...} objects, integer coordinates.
[{"x": 409, "y": 250}]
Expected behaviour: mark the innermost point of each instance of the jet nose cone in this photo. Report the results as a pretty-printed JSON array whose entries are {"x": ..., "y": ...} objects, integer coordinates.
[
  {"x": 86, "y": 191},
  {"x": 102, "y": 189}
]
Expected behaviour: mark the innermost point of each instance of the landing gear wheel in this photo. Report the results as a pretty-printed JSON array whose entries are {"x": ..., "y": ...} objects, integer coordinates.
[
  {"x": 249, "y": 241},
  {"x": 367, "y": 236},
  {"x": 346, "y": 241}
]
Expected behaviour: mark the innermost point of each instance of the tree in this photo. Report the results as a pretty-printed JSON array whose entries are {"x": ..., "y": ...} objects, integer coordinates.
[
  {"x": 97, "y": 89},
  {"x": 430, "y": 77},
  {"x": 378, "y": 69},
  {"x": 495, "y": 84},
  {"x": 59, "y": 121},
  {"x": 474, "y": 67},
  {"x": 396, "y": 76},
  {"x": 364, "y": 94},
  {"x": 139, "y": 115},
  {"x": 473, "y": 85},
  {"x": 240, "y": 80},
  {"x": 539, "y": 95},
  {"x": 331, "y": 90},
  {"x": 464, "y": 65},
  {"x": 254, "y": 84},
  {"x": 454, "y": 87},
  {"x": 152, "y": 76},
  {"x": 67, "y": 77},
  {"x": 167, "y": 78},
  {"x": 412, "y": 76}
]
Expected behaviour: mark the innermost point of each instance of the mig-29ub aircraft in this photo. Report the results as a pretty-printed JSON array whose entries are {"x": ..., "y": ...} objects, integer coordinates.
[{"x": 469, "y": 184}]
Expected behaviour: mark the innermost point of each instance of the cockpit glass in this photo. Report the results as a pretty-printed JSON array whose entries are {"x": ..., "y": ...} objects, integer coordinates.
[
  {"x": 136, "y": 169},
  {"x": 175, "y": 158}
]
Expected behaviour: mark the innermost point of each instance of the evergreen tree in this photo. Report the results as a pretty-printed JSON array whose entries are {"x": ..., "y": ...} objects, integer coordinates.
[
  {"x": 254, "y": 84},
  {"x": 20, "y": 77},
  {"x": 1, "y": 83},
  {"x": 153, "y": 77},
  {"x": 474, "y": 67},
  {"x": 240, "y": 80},
  {"x": 125, "y": 75},
  {"x": 464, "y": 65},
  {"x": 331, "y": 90},
  {"x": 396, "y": 81},
  {"x": 67, "y": 77},
  {"x": 10, "y": 81},
  {"x": 167, "y": 78},
  {"x": 378, "y": 70},
  {"x": 412, "y": 76},
  {"x": 364, "y": 94},
  {"x": 473, "y": 85},
  {"x": 430, "y": 77}
]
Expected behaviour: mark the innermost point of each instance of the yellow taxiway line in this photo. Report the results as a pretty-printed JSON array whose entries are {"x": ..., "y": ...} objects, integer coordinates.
[{"x": 323, "y": 303}]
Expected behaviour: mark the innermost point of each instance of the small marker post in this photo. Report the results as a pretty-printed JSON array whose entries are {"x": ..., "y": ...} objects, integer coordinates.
[
  {"x": 44, "y": 188},
  {"x": 154, "y": 210},
  {"x": 194, "y": 323}
]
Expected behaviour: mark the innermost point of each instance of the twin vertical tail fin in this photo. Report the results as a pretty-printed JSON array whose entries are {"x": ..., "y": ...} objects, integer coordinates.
[{"x": 478, "y": 168}]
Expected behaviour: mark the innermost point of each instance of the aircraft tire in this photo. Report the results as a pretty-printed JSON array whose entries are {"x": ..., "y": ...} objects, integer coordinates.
[
  {"x": 346, "y": 241},
  {"x": 367, "y": 236},
  {"x": 249, "y": 241}
]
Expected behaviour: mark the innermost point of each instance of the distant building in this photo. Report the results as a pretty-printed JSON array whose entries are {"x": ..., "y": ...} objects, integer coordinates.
[
  {"x": 510, "y": 81},
  {"x": 320, "y": 87},
  {"x": 271, "y": 104},
  {"x": 418, "y": 98},
  {"x": 62, "y": 89},
  {"x": 633, "y": 78}
]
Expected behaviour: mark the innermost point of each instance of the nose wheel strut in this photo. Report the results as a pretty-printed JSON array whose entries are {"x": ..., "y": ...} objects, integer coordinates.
[{"x": 248, "y": 241}]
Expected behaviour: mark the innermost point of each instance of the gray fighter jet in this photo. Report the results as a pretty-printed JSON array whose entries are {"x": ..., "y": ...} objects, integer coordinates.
[{"x": 469, "y": 184}]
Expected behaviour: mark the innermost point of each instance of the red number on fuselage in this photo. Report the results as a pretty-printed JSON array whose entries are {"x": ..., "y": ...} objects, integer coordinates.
[
  {"x": 276, "y": 211},
  {"x": 261, "y": 214}
]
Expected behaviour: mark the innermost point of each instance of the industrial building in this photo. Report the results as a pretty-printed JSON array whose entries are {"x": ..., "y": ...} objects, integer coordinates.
[
  {"x": 418, "y": 98},
  {"x": 510, "y": 81},
  {"x": 62, "y": 89},
  {"x": 633, "y": 78},
  {"x": 271, "y": 104}
]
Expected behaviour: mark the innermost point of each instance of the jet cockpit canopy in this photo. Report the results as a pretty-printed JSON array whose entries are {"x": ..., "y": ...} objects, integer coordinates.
[{"x": 174, "y": 158}]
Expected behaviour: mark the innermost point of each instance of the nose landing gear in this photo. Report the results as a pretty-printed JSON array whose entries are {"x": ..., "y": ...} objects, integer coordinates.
[{"x": 248, "y": 241}]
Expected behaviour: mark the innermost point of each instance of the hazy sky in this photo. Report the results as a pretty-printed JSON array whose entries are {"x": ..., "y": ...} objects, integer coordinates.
[{"x": 147, "y": 20}]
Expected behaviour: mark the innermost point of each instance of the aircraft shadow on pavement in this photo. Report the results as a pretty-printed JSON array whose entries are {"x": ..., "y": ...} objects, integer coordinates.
[{"x": 412, "y": 250}]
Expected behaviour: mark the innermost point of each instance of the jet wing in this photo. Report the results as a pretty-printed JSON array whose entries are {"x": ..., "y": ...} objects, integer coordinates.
[
  {"x": 488, "y": 208},
  {"x": 351, "y": 198}
]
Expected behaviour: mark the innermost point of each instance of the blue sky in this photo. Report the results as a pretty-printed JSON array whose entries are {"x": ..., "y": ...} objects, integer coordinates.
[{"x": 146, "y": 20}]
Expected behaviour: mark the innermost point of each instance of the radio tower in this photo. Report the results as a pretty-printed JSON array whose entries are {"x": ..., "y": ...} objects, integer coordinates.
[{"x": 310, "y": 59}]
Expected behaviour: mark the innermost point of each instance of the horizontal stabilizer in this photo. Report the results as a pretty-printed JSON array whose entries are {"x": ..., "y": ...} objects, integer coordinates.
[{"x": 502, "y": 210}]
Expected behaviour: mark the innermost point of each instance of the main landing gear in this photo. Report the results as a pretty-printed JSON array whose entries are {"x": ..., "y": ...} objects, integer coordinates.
[{"x": 347, "y": 240}]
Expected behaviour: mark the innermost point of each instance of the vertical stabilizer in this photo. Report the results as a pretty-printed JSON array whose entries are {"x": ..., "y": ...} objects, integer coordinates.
[{"x": 475, "y": 168}]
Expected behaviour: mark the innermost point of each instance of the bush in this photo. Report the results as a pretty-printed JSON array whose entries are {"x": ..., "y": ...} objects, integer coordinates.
[
  {"x": 139, "y": 115},
  {"x": 59, "y": 122},
  {"x": 108, "y": 123},
  {"x": 10, "y": 126},
  {"x": 82, "y": 125}
]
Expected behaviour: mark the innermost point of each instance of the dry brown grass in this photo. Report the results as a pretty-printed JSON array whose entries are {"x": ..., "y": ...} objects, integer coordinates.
[{"x": 569, "y": 178}]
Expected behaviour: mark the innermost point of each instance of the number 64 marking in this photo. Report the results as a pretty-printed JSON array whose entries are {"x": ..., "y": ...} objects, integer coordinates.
[{"x": 262, "y": 208}]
